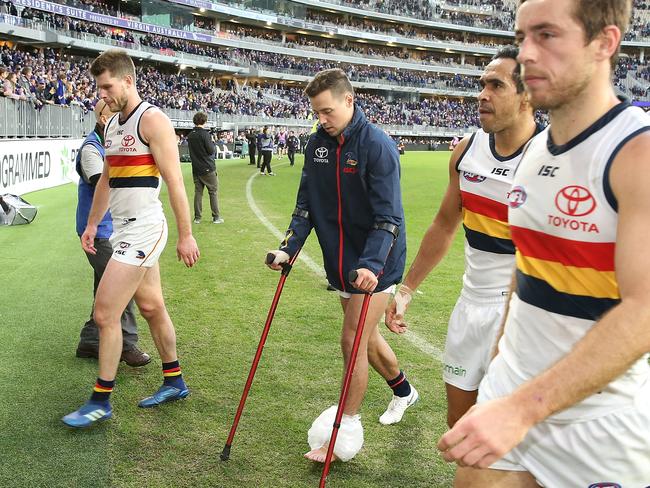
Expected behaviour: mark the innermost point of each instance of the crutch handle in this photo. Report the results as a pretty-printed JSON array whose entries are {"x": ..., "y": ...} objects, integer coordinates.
[
  {"x": 352, "y": 276},
  {"x": 286, "y": 267}
]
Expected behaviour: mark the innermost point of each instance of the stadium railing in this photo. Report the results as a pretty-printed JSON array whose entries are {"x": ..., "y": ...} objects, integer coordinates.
[{"x": 19, "y": 119}]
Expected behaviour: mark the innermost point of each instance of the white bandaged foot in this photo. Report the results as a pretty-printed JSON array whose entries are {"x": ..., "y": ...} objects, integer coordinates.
[{"x": 349, "y": 439}]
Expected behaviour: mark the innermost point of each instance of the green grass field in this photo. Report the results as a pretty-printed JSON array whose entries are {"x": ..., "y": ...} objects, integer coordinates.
[{"x": 218, "y": 308}]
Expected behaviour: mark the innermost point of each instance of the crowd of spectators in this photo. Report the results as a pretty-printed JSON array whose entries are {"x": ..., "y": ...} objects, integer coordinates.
[
  {"x": 45, "y": 77},
  {"x": 265, "y": 60},
  {"x": 491, "y": 14}
]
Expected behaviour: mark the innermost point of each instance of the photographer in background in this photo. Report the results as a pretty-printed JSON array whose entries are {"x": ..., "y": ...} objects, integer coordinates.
[{"x": 202, "y": 153}]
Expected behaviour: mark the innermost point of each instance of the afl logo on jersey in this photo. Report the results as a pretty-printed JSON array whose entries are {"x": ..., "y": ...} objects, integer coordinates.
[
  {"x": 575, "y": 201},
  {"x": 516, "y": 197},
  {"x": 108, "y": 144},
  {"x": 473, "y": 178},
  {"x": 128, "y": 141}
]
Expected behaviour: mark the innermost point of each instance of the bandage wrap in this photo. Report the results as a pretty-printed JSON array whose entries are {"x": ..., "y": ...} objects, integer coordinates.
[
  {"x": 403, "y": 297},
  {"x": 349, "y": 439}
]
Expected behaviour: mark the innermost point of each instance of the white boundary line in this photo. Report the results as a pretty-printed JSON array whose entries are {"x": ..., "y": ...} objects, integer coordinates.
[{"x": 423, "y": 345}]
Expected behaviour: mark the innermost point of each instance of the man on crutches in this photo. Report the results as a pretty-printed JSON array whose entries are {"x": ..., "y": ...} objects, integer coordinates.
[{"x": 350, "y": 194}]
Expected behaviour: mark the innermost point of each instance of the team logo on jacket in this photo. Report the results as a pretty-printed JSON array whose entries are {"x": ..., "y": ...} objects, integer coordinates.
[
  {"x": 350, "y": 160},
  {"x": 575, "y": 201},
  {"x": 516, "y": 197},
  {"x": 473, "y": 177},
  {"x": 128, "y": 140},
  {"x": 321, "y": 155}
]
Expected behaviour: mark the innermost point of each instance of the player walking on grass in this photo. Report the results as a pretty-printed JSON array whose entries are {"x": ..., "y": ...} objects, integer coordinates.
[
  {"x": 566, "y": 401},
  {"x": 140, "y": 149},
  {"x": 350, "y": 194},
  {"x": 481, "y": 169}
]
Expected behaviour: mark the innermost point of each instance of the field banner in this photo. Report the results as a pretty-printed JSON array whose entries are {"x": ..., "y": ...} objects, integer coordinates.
[{"x": 35, "y": 164}]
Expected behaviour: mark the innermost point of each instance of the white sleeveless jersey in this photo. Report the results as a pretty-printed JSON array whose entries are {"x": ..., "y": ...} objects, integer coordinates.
[
  {"x": 563, "y": 221},
  {"x": 134, "y": 178},
  {"x": 485, "y": 180}
]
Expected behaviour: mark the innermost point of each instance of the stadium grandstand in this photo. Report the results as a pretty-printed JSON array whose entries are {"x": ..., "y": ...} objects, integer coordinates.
[{"x": 414, "y": 64}]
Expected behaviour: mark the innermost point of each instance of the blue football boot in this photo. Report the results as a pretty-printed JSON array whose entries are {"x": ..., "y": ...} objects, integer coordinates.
[
  {"x": 89, "y": 414},
  {"x": 164, "y": 394}
]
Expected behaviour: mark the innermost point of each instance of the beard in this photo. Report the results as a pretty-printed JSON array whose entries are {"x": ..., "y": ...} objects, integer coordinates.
[{"x": 561, "y": 93}]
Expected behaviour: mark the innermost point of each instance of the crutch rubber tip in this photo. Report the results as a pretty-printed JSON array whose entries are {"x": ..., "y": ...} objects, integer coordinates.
[
  {"x": 225, "y": 454},
  {"x": 270, "y": 257}
]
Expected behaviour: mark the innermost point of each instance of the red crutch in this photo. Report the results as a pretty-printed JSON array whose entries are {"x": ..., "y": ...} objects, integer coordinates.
[
  {"x": 286, "y": 268},
  {"x": 346, "y": 381}
]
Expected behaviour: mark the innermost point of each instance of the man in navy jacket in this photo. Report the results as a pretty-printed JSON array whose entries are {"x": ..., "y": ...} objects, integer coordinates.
[{"x": 350, "y": 194}]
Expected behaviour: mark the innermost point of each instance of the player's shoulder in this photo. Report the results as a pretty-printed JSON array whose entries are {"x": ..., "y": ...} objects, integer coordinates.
[{"x": 154, "y": 118}]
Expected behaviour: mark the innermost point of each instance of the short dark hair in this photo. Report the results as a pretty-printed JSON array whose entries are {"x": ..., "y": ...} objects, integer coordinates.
[
  {"x": 200, "y": 118},
  {"x": 511, "y": 52},
  {"x": 116, "y": 62},
  {"x": 595, "y": 15},
  {"x": 333, "y": 79}
]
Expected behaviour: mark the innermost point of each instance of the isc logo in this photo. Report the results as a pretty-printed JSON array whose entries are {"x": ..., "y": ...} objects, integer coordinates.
[
  {"x": 546, "y": 170},
  {"x": 500, "y": 171}
]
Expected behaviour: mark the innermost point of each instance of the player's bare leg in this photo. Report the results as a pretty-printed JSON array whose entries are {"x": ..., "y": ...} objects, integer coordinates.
[
  {"x": 458, "y": 403},
  {"x": 493, "y": 478},
  {"x": 115, "y": 290},
  {"x": 359, "y": 382},
  {"x": 151, "y": 303}
]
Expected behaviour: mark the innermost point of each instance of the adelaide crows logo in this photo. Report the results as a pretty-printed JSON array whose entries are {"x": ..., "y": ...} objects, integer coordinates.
[
  {"x": 350, "y": 160},
  {"x": 473, "y": 177}
]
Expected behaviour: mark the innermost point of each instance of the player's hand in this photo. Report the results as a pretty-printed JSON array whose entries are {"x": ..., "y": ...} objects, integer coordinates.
[
  {"x": 397, "y": 308},
  {"x": 366, "y": 280},
  {"x": 280, "y": 257},
  {"x": 485, "y": 433},
  {"x": 187, "y": 251},
  {"x": 88, "y": 239}
]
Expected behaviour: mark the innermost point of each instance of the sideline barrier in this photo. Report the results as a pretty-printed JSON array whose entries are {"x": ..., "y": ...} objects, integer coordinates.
[
  {"x": 36, "y": 164},
  {"x": 19, "y": 118}
]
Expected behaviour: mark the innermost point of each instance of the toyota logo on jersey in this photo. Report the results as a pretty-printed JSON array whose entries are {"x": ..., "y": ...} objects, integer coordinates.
[
  {"x": 575, "y": 201},
  {"x": 128, "y": 141}
]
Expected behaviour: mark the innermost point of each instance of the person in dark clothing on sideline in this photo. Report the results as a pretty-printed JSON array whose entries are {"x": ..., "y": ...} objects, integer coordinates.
[
  {"x": 202, "y": 153},
  {"x": 259, "y": 138},
  {"x": 292, "y": 147},
  {"x": 252, "y": 145}
]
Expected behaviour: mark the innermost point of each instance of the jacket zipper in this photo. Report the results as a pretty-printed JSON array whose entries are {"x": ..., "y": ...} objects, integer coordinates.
[{"x": 340, "y": 211}]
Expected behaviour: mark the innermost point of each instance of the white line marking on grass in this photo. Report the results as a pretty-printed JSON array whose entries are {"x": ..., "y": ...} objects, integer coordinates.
[
  {"x": 423, "y": 345},
  {"x": 311, "y": 264}
]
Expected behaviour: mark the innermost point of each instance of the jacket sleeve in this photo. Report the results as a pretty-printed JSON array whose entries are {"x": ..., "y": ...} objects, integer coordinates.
[
  {"x": 301, "y": 223},
  {"x": 210, "y": 146},
  {"x": 385, "y": 196}
]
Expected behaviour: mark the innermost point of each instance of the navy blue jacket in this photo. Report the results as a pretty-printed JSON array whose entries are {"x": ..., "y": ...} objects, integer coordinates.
[
  {"x": 346, "y": 191},
  {"x": 86, "y": 191}
]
